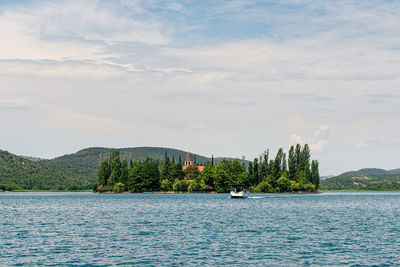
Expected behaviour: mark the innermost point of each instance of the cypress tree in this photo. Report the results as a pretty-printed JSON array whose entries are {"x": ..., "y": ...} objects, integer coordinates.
[
  {"x": 255, "y": 171},
  {"x": 305, "y": 162},
  {"x": 315, "y": 173},
  {"x": 243, "y": 163},
  {"x": 297, "y": 155},
  {"x": 165, "y": 167},
  {"x": 115, "y": 167},
  {"x": 292, "y": 164},
  {"x": 251, "y": 173}
]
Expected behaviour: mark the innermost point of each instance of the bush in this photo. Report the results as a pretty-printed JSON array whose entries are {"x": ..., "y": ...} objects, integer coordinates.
[
  {"x": 193, "y": 186},
  {"x": 10, "y": 187},
  {"x": 204, "y": 186},
  {"x": 295, "y": 186},
  {"x": 263, "y": 187},
  {"x": 119, "y": 187},
  {"x": 166, "y": 185},
  {"x": 107, "y": 188},
  {"x": 309, "y": 187},
  {"x": 284, "y": 184}
]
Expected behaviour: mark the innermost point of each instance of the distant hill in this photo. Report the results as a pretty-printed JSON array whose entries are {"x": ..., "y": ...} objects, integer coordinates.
[
  {"x": 88, "y": 159},
  {"x": 38, "y": 175},
  {"x": 370, "y": 171},
  {"x": 364, "y": 179},
  {"x": 77, "y": 170}
]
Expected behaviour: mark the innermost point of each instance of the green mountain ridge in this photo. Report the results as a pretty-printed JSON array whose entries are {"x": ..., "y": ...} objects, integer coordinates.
[
  {"x": 364, "y": 179},
  {"x": 371, "y": 171}
]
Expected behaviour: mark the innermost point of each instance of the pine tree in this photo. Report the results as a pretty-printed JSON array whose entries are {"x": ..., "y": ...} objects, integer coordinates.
[
  {"x": 165, "y": 167},
  {"x": 115, "y": 167},
  {"x": 104, "y": 172},
  {"x": 124, "y": 172}
]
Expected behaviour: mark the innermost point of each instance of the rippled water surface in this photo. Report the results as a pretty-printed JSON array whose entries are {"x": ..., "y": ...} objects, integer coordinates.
[{"x": 199, "y": 229}]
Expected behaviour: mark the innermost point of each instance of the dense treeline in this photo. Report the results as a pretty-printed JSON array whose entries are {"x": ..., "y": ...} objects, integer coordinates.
[{"x": 297, "y": 173}]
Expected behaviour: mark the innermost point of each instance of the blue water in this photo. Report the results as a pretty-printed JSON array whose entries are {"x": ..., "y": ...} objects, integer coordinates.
[{"x": 199, "y": 229}]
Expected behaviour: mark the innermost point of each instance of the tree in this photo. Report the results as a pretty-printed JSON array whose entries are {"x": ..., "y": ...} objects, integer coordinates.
[
  {"x": 165, "y": 168},
  {"x": 297, "y": 155},
  {"x": 292, "y": 164},
  {"x": 255, "y": 172},
  {"x": 251, "y": 174},
  {"x": 222, "y": 178},
  {"x": 124, "y": 171},
  {"x": 278, "y": 166},
  {"x": 115, "y": 166},
  {"x": 234, "y": 170},
  {"x": 135, "y": 178},
  {"x": 243, "y": 163},
  {"x": 315, "y": 173},
  {"x": 103, "y": 172},
  {"x": 175, "y": 172},
  {"x": 305, "y": 162},
  {"x": 284, "y": 183},
  {"x": 192, "y": 173},
  {"x": 208, "y": 174},
  {"x": 151, "y": 175}
]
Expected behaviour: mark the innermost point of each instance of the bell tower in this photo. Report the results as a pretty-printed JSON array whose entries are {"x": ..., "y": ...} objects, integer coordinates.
[{"x": 188, "y": 161}]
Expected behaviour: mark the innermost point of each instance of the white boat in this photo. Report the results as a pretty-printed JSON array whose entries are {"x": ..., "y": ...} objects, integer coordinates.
[{"x": 239, "y": 191}]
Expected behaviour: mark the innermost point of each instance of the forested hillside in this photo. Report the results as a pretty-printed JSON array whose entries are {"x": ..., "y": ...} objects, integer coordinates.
[
  {"x": 38, "y": 175},
  {"x": 364, "y": 179},
  {"x": 88, "y": 159}
]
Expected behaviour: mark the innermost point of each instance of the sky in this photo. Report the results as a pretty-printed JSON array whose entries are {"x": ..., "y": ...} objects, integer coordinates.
[{"x": 228, "y": 78}]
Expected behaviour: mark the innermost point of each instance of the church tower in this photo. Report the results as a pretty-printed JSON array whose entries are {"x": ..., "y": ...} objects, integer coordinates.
[{"x": 188, "y": 161}]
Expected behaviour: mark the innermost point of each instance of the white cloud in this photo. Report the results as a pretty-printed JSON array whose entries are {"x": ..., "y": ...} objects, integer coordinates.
[
  {"x": 361, "y": 144},
  {"x": 175, "y": 7},
  {"x": 125, "y": 69},
  {"x": 322, "y": 131},
  {"x": 76, "y": 30},
  {"x": 317, "y": 143}
]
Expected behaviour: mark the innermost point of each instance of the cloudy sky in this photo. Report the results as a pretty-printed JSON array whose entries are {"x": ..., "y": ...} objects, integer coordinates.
[{"x": 228, "y": 78}]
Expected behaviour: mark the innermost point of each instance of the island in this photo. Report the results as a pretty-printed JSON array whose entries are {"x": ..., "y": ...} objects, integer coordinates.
[{"x": 295, "y": 172}]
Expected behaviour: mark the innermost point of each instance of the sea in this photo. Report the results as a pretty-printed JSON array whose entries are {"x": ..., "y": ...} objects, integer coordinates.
[{"x": 88, "y": 229}]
